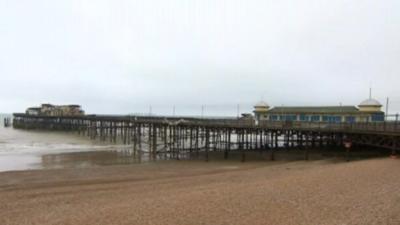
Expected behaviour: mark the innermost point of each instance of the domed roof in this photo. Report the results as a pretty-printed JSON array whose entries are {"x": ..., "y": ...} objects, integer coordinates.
[
  {"x": 370, "y": 102},
  {"x": 262, "y": 104}
]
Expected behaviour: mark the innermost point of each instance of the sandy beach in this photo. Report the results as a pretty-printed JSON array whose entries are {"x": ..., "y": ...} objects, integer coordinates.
[{"x": 192, "y": 192}]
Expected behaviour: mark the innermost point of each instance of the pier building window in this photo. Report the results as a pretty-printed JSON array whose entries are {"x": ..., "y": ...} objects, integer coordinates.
[
  {"x": 332, "y": 119},
  {"x": 350, "y": 119},
  {"x": 274, "y": 117},
  {"x": 304, "y": 117},
  {"x": 315, "y": 118},
  {"x": 378, "y": 117},
  {"x": 337, "y": 119},
  {"x": 288, "y": 118}
]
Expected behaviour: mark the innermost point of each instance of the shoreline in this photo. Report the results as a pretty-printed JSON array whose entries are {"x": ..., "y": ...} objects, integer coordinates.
[{"x": 99, "y": 156}]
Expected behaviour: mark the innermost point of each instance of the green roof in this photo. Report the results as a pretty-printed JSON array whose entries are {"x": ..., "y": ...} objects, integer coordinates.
[{"x": 315, "y": 109}]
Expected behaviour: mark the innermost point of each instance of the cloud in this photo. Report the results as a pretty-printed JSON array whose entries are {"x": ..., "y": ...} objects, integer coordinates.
[{"x": 122, "y": 56}]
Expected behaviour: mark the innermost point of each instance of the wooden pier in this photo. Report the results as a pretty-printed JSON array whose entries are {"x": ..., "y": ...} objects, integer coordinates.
[
  {"x": 7, "y": 122},
  {"x": 174, "y": 137}
]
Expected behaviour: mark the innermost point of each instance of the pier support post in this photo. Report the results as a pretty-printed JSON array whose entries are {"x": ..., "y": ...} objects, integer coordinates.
[
  {"x": 306, "y": 150},
  {"x": 134, "y": 141},
  {"x": 154, "y": 144},
  {"x": 394, "y": 150},
  {"x": 244, "y": 146},
  {"x": 228, "y": 144},
  {"x": 274, "y": 135},
  {"x": 190, "y": 141},
  {"x": 197, "y": 146},
  {"x": 207, "y": 143},
  {"x": 347, "y": 145}
]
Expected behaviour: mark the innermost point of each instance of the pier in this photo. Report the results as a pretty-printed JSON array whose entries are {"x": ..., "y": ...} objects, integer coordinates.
[
  {"x": 7, "y": 122},
  {"x": 174, "y": 137}
]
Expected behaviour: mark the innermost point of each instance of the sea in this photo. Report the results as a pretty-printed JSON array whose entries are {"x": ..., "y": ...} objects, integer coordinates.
[{"x": 34, "y": 149}]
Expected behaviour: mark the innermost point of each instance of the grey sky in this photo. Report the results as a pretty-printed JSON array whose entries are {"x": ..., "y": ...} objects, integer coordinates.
[{"x": 120, "y": 56}]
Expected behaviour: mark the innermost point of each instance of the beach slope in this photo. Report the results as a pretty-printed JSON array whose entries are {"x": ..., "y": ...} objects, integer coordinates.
[{"x": 316, "y": 192}]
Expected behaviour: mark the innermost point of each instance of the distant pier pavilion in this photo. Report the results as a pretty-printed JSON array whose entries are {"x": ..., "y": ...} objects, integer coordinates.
[
  {"x": 367, "y": 111},
  {"x": 55, "y": 110}
]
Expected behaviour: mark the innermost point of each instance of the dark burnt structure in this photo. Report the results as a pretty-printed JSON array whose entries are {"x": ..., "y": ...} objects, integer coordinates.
[{"x": 174, "y": 137}]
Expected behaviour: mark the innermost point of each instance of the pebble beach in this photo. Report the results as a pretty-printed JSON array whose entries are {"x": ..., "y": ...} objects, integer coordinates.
[{"x": 318, "y": 192}]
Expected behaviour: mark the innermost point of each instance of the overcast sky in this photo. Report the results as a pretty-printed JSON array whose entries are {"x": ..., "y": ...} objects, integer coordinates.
[{"x": 121, "y": 56}]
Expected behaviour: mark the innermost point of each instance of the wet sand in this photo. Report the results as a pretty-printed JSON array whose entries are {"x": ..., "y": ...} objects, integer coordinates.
[{"x": 192, "y": 192}]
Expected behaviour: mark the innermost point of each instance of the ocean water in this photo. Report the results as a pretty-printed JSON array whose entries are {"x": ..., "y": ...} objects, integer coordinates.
[{"x": 24, "y": 149}]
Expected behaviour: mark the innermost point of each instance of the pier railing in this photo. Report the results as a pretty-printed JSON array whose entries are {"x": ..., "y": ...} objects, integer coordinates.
[
  {"x": 390, "y": 127},
  {"x": 376, "y": 127},
  {"x": 381, "y": 127}
]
